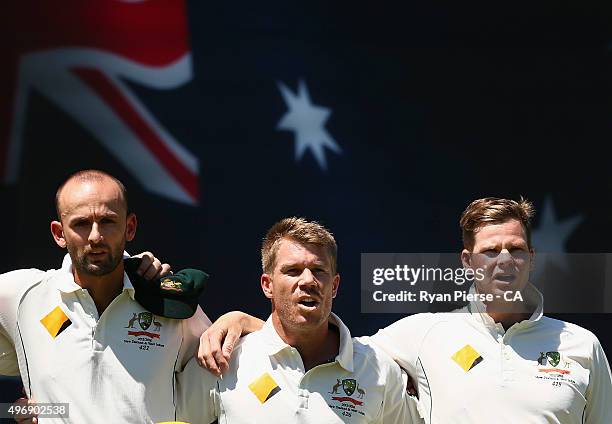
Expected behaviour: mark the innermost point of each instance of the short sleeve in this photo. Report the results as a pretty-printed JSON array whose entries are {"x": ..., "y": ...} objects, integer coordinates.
[
  {"x": 402, "y": 339},
  {"x": 197, "y": 400},
  {"x": 13, "y": 285},
  {"x": 599, "y": 390}
]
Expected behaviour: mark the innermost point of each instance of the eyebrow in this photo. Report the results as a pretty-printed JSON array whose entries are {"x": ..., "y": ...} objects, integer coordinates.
[
  {"x": 286, "y": 265},
  {"x": 108, "y": 214},
  {"x": 511, "y": 244}
]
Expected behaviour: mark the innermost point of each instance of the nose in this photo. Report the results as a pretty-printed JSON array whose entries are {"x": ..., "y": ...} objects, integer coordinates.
[
  {"x": 307, "y": 278},
  {"x": 505, "y": 258},
  {"x": 95, "y": 236}
]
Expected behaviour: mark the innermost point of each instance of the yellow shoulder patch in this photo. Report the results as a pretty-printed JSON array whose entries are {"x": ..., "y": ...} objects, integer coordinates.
[
  {"x": 467, "y": 357},
  {"x": 264, "y": 387}
]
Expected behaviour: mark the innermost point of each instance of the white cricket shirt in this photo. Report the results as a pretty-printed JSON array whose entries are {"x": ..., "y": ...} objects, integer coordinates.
[
  {"x": 267, "y": 383},
  {"x": 469, "y": 370},
  {"x": 118, "y": 367}
]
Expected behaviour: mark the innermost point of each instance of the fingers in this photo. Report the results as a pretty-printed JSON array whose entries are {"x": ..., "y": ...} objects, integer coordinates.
[
  {"x": 228, "y": 347},
  {"x": 147, "y": 261},
  {"x": 25, "y": 418},
  {"x": 218, "y": 341},
  {"x": 152, "y": 271},
  {"x": 205, "y": 357},
  {"x": 151, "y": 267},
  {"x": 411, "y": 387},
  {"x": 220, "y": 352},
  {"x": 165, "y": 270}
]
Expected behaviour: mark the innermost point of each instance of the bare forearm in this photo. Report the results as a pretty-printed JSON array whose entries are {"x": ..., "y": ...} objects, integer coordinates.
[
  {"x": 218, "y": 341},
  {"x": 249, "y": 323}
]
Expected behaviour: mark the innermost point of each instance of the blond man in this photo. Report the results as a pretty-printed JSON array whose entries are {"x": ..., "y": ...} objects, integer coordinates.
[{"x": 302, "y": 366}]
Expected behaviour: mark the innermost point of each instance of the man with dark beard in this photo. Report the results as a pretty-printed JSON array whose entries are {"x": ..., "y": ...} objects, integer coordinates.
[{"x": 70, "y": 333}]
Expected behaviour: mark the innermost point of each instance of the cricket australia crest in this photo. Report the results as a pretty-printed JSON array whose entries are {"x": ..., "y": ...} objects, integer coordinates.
[
  {"x": 149, "y": 335},
  {"x": 550, "y": 358},
  {"x": 347, "y": 404},
  {"x": 553, "y": 358},
  {"x": 349, "y": 385},
  {"x": 145, "y": 319}
]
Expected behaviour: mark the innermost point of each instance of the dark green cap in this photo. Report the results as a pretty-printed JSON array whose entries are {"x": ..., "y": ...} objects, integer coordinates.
[{"x": 171, "y": 296}]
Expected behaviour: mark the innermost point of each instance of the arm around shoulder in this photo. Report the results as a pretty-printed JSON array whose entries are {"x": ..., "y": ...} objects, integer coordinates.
[
  {"x": 402, "y": 339},
  {"x": 218, "y": 342},
  {"x": 398, "y": 406}
]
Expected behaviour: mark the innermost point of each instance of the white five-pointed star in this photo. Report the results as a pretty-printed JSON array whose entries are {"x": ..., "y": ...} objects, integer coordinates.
[
  {"x": 307, "y": 121},
  {"x": 551, "y": 235}
]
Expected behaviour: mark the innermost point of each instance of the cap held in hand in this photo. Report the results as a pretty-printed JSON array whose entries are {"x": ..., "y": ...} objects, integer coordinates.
[{"x": 171, "y": 296}]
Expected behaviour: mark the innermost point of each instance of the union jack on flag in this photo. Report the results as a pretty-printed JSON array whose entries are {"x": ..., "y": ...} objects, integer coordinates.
[{"x": 79, "y": 59}]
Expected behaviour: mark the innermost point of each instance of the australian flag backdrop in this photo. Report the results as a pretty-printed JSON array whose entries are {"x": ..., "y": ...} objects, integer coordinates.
[{"x": 380, "y": 120}]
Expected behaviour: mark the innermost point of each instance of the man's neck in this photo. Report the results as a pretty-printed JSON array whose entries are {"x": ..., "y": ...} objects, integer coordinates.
[
  {"x": 507, "y": 320},
  {"x": 508, "y": 314},
  {"x": 102, "y": 289},
  {"x": 316, "y": 345}
]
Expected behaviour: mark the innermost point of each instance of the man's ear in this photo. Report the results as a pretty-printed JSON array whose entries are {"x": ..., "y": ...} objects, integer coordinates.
[
  {"x": 532, "y": 259},
  {"x": 266, "y": 285},
  {"x": 57, "y": 231},
  {"x": 335, "y": 284},
  {"x": 130, "y": 227},
  {"x": 466, "y": 258}
]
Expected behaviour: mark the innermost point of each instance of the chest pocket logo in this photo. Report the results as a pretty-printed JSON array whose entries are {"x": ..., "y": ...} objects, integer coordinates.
[
  {"x": 55, "y": 322},
  {"x": 264, "y": 387},
  {"x": 467, "y": 357}
]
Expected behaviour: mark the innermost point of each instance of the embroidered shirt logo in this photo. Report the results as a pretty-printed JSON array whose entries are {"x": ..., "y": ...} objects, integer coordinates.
[
  {"x": 549, "y": 358},
  {"x": 170, "y": 285},
  {"x": 349, "y": 387},
  {"x": 145, "y": 319},
  {"x": 335, "y": 387},
  {"x": 552, "y": 360},
  {"x": 349, "y": 404}
]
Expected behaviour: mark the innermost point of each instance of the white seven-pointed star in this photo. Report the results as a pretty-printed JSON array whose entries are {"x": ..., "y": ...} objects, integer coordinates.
[
  {"x": 307, "y": 121},
  {"x": 551, "y": 234}
]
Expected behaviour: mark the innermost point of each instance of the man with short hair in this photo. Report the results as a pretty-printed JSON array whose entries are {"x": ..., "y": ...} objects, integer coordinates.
[
  {"x": 498, "y": 361},
  {"x": 76, "y": 335},
  {"x": 502, "y": 358},
  {"x": 302, "y": 366}
]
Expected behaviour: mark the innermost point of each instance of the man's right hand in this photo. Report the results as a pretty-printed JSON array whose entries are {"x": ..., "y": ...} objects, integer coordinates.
[
  {"x": 218, "y": 341},
  {"x": 150, "y": 267},
  {"x": 25, "y": 418}
]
